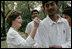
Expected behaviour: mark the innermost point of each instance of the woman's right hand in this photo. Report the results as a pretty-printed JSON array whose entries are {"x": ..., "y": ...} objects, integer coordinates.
[{"x": 36, "y": 22}]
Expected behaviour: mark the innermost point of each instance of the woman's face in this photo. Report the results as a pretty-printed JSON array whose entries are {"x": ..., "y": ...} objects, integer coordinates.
[{"x": 17, "y": 22}]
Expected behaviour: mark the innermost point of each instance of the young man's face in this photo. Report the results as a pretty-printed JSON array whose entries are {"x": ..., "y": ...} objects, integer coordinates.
[
  {"x": 50, "y": 7},
  {"x": 35, "y": 14}
]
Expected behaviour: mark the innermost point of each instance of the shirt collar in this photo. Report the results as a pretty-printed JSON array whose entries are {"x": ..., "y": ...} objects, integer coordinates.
[{"x": 52, "y": 22}]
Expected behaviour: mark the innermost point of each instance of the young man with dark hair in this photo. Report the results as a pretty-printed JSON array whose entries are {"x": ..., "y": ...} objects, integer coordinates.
[
  {"x": 67, "y": 15},
  {"x": 53, "y": 31},
  {"x": 34, "y": 13}
]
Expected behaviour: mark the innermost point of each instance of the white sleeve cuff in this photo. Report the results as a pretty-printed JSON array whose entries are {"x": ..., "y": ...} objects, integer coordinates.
[{"x": 30, "y": 40}]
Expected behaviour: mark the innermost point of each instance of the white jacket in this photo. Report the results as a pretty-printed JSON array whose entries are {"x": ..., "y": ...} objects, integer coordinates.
[{"x": 14, "y": 40}]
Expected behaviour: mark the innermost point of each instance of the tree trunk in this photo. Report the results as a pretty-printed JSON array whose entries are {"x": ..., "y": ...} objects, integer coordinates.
[
  {"x": 29, "y": 10},
  {"x": 3, "y": 25}
]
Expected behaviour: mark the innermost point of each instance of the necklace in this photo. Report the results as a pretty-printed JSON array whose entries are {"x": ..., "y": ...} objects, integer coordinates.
[{"x": 15, "y": 28}]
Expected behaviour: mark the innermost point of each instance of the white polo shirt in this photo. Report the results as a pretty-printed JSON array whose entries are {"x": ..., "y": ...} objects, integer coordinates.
[
  {"x": 14, "y": 40},
  {"x": 51, "y": 33},
  {"x": 29, "y": 27}
]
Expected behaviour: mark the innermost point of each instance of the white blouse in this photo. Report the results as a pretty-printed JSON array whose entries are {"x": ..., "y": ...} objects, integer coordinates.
[{"x": 14, "y": 40}]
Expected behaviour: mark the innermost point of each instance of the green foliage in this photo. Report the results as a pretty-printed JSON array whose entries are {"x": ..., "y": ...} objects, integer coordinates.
[{"x": 25, "y": 7}]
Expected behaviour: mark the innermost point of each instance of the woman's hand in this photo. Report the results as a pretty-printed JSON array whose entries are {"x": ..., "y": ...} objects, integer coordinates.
[{"x": 36, "y": 22}]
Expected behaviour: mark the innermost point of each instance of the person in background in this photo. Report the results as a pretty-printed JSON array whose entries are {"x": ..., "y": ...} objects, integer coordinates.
[
  {"x": 14, "y": 39},
  {"x": 34, "y": 13},
  {"x": 67, "y": 15}
]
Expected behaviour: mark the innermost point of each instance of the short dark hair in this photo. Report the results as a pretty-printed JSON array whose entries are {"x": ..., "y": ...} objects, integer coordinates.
[
  {"x": 34, "y": 11},
  {"x": 67, "y": 11},
  {"x": 43, "y": 2},
  {"x": 12, "y": 15}
]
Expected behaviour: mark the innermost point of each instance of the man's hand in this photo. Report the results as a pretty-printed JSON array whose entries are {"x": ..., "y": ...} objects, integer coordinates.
[{"x": 55, "y": 46}]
